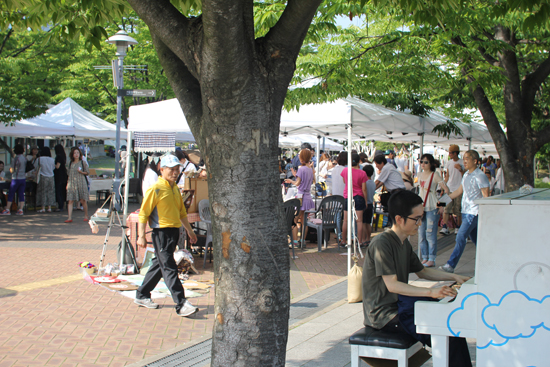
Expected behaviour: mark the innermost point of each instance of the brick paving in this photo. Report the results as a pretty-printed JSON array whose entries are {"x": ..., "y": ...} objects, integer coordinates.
[{"x": 52, "y": 317}]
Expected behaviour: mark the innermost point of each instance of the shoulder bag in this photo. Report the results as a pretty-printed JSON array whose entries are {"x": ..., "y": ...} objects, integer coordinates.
[{"x": 428, "y": 192}]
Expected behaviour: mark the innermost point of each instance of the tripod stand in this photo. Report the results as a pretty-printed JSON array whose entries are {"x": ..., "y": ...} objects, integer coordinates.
[{"x": 125, "y": 244}]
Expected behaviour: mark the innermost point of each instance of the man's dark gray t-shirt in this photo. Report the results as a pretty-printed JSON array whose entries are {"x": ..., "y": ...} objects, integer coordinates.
[{"x": 386, "y": 255}]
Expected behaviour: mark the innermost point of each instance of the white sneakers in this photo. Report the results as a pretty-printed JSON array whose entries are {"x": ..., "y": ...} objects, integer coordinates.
[
  {"x": 444, "y": 231},
  {"x": 146, "y": 302},
  {"x": 448, "y": 268},
  {"x": 187, "y": 309}
]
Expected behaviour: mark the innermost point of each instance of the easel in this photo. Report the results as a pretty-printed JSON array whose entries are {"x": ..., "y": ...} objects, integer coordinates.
[{"x": 111, "y": 219}]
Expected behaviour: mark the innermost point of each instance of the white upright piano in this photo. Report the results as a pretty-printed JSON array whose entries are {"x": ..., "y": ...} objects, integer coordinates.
[{"x": 506, "y": 306}]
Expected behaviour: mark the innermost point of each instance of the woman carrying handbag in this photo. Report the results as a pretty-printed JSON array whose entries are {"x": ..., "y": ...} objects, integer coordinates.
[{"x": 428, "y": 179}]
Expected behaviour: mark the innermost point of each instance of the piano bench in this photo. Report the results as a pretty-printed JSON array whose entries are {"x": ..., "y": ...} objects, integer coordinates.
[{"x": 372, "y": 343}]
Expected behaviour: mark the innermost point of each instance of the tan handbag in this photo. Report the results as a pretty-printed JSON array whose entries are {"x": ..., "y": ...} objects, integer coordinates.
[{"x": 355, "y": 283}]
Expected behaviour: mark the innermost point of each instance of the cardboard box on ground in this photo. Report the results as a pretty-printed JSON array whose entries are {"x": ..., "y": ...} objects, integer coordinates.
[{"x": 200, "y": 185}]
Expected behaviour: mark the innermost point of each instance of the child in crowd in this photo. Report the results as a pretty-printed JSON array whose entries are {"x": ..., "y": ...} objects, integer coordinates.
[{"x": 368, "y": 213}]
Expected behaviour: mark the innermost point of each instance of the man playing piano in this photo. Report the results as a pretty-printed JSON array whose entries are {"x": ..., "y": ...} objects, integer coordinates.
[{"x": 388, "y": 299}]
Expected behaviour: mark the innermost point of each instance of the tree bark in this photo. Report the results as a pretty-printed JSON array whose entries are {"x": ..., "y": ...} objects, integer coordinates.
[
  {"x": 231, "y": 87},
  {"x": 518, "y": 146}
]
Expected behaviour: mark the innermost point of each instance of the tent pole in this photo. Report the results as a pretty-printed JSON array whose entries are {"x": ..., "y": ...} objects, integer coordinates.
[
  {"x": 350, "y": 198},
  {"x": 324, "y": 143},
  {"x": 126, "y": 194},
  {"x": 470, "y": 140},
  {"x": 421, "y": 145}
]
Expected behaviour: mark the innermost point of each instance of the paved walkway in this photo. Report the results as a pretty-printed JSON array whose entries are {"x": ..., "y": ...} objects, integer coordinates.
[{"x": 51, "y": 317}]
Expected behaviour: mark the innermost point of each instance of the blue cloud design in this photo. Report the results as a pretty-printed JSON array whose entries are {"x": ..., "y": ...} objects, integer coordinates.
[
  {"x": 493, "y": 326},
  {"x": 519, "y": 334}
]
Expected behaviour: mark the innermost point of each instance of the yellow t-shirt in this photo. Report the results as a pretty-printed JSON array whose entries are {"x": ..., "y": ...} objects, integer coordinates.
[{"x": 162, "y": 206}]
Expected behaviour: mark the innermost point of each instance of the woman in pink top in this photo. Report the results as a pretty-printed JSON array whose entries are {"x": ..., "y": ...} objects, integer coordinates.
[{"x": 359, "y": 180}]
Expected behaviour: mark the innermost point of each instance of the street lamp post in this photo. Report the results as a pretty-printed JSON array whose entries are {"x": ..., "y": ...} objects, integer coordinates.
[{"x": 122, "y": 41}]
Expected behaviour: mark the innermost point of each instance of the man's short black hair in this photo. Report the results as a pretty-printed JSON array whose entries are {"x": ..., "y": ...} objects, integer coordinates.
[
  {"x": 369, "y": 170},
  {"x": 402, "y": 203},
  {"x": 380, "y": 159},
  {"x": 306, "y": 146},
  {"x": 288, "y": 160}
]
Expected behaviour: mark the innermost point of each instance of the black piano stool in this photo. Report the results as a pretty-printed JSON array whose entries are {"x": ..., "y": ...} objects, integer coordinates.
[{"x": 372, "y": 343}]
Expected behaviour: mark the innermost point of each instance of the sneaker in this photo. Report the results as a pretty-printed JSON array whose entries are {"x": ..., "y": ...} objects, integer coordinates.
[
  {"x": 444, "y": 231},
  {"x": 187, "y": 309},
  {"x": 19, "y": 212},
  {"x": 146, "y": 302},
  {"x": 5, "y": 212},
  {"x": 448, "y": 268}
]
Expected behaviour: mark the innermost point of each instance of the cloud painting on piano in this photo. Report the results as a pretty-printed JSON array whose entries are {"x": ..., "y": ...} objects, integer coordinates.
[{"x": 514, "y": 316}]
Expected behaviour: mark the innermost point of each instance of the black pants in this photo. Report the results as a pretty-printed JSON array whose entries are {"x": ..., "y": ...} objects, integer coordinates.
[
  {"x": 61, "y": 194},
  {"x": 164, "y": 266},
  {"x": 459, "y": 355}
]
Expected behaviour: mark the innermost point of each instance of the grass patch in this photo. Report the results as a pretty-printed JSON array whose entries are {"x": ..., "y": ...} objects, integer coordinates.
[
  {"x": 541, "y": 185},
  {"x": 103, "y": 165}
]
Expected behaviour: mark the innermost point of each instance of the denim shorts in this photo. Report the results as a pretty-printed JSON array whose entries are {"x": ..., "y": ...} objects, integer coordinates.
[{"x": 360, "y": 203}]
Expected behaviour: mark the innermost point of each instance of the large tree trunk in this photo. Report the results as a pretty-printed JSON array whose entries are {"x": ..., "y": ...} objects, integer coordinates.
[
  {"x": 519, "y": 145},
  {"x": 231, "y": 87}
]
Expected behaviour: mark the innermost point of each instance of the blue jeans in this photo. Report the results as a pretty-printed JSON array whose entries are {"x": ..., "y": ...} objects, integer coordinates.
[
  {"x": 468, "y": 228},
  {"x": 427, "y": 235}
]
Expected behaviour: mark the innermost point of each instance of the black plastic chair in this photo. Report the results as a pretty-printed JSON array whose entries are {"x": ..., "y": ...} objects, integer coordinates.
[
  {"x": 292, "y": 208},
  {"x": 204, "y": 213},
  {"x": 330, "y": 208}
]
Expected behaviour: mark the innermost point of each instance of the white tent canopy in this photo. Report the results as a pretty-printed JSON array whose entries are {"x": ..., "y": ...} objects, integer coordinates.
[
  {"x": 373, "y": 122},
  {"x": 295, "y": 141},
  {"x": 66, "y": 119},
  {"x": 164, "y": 116}
]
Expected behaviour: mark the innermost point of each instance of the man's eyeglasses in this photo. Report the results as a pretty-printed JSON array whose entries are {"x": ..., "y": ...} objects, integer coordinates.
[
  {"x": 418, "y": 220},
  {"x": 425, "y": 162}
]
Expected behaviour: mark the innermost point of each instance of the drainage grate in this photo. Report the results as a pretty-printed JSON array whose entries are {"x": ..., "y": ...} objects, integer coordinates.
[
  {"x": 196, "y": 356},
  {"x": 199, "y": 355}
]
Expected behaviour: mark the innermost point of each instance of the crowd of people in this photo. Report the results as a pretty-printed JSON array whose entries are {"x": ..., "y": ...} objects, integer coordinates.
[
  {"x": 414, "y": 202},
  {"x": 378, "y": 180},
  {"x": 51, "y": 180}
]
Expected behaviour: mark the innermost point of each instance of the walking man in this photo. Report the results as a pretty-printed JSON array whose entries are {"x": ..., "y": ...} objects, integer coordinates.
[
  {"x": 455, "y": 169},
  {"x": 163, "y": 208},
  {"x": 475, "y": 185}
]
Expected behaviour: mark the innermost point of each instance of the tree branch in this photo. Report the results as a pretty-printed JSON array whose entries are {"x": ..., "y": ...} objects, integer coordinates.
[
  {"x": 542, "y": 137},
  {"x": 291, "y": 29},
  {"x": 6, "y": 146},
  {"x": 531, "y": 84},
  {"x": 6, "y": 37},
  {"x": 185, "y": 86},
  {"x": 173, "y": 28},
  {"x": 373, "y": 47}
]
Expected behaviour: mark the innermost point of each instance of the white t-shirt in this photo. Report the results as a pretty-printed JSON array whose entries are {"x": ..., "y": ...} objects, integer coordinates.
[
  {"x": 323, "y": 171},
  {"x": 391, "y": 178},
  {"x": 47, "y": 165},
  {"x": 472, "y": 183},
  {"x": 337, "y": 181},
  {"x": 149, "y": 180},
  {"x": 187, "y": 168},
  {"x": 401, "y": 163},
  {"x": 455, "y": 177}
]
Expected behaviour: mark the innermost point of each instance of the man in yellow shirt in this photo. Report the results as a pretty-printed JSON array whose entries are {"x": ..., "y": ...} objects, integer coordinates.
[{"x": 163, "y": 208}]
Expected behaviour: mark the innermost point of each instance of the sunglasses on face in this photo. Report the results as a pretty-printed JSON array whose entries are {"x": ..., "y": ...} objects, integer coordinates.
[{"x": 425, "y": 162}]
